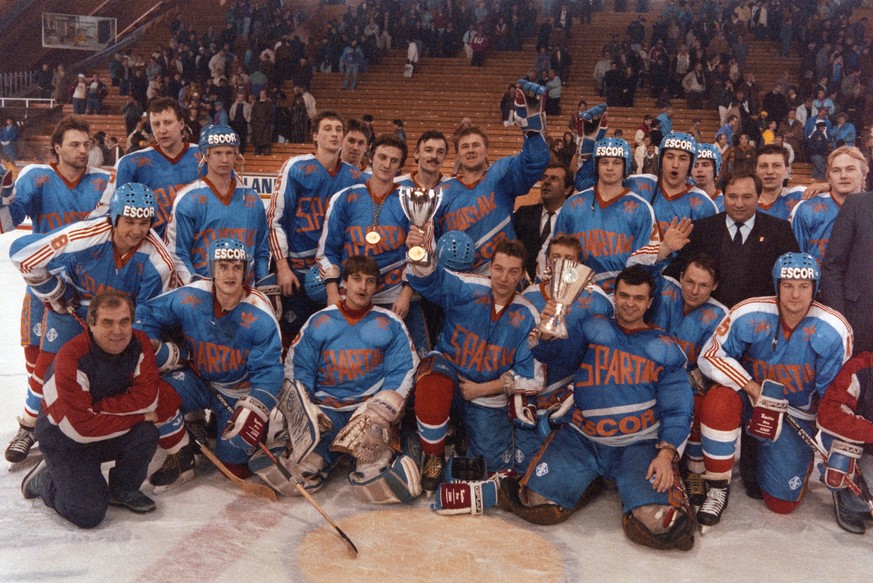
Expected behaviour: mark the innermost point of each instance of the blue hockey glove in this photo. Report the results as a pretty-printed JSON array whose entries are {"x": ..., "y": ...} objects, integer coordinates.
[{"x": 529, "y": 115}]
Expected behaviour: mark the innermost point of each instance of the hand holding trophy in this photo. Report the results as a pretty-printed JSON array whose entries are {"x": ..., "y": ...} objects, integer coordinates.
[
  {"x": 568, "y": 279},
  {"x": 419, "y": 206}
]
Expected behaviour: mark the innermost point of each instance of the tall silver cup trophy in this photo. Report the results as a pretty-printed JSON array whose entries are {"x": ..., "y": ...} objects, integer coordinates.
[
  {"x": 419, "y": 206},
  {"x": 568, "y": 279}
]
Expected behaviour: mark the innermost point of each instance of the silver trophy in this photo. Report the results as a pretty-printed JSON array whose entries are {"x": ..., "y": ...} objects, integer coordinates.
[
  {"x": 568, "y": 279},
  {"x": 419, "y": 206}
]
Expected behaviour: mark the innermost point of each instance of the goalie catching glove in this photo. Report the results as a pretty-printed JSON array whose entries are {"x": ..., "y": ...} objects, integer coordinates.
[
  {"x": 248, "y": 424},
  {"x": 528, "y": 114},
  {"x": 369, "y": 431},
  {"x": 770, "y": 408}
]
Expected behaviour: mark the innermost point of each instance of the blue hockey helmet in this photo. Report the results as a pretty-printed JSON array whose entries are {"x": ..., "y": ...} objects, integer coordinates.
[
  {"x": 217, "y": 135},
  {"x": 227, "y": 250},
  {"x": 614, "y": 148},
  {"x": 314, "y": 286},
  {"x": 710, "y": 152},
  {"x": 796, "y": 266},
  {"x": 678, "y": 141},
  {"x": 455, "y": 250},
  {"x": 133, "y": 200}
]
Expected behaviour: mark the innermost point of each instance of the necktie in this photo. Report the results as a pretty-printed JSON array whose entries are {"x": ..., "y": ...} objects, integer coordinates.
[
  {"x": 547, "y": 228},
  {"x": 738, "y": 235}
]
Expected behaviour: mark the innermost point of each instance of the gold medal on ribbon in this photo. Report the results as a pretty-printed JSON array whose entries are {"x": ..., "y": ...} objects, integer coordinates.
[
  {"x": 417, "y": 254},
  {"x": 373, "y": 237}
]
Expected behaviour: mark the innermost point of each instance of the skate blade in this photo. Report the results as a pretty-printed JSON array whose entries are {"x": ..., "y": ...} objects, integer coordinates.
[{"x": 33, "y": 458}]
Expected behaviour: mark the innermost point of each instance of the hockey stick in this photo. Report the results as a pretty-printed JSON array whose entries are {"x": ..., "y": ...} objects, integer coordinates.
[
  {"x": 857, "y": 484},
  {"x": 287, "y": 475},
  {"x": 250, "y": 487}
]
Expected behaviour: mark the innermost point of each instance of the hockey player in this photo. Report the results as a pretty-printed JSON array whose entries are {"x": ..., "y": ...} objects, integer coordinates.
[
  {"x": 296, "y": 215},
  {"x": 217, "y": 206},
  {"x": 66, "y": 267},
  {"x": 165, "y": 167},
  {"x": 354, "y": 364},
  {"x": 777, "y": 198},
  {"x": 529, "y": 431},
  {"x": 845, "y": 417},
  {"x": 611, "y": 221},
  {"x": 367, "y": 219},
  {"x": 52, "y": 195},
  {"x": 813, "y": 219},
  {"x": 481, "y": 357},
  {"x": 430, "y": 153},
  {"x": 231, "y": 336},
  {"x": 706, "y": 172},
  {"x": 480, "y": 200},
  {"x": 102, "y": 399},
  {"x": 356, "y": 144},
  {"x": 629, "y": 423},
  {"x": 782, "y": 352}
]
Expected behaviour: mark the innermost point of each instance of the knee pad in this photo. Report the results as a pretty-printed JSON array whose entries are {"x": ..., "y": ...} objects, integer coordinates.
[
  {"x": 396, "y": 483},
  {"x": 545, "y": 514},
  {"x": 722, "y": 408},
  {"x": 659, "y": 527},
  {"x": 778, "y": 505}
]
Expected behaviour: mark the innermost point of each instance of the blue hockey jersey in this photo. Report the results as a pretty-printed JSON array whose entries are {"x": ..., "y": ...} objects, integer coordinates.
[
  {"x": 82, "y": 254},
  {"x": 343, "y": 359},
  {"x": 481, "y": 342},
  {"x": 50, "y": 200},
  {"x": 298, "y": 205},
  {"x": 235, "y": 351},
  {"x": 609, "y": 231},
  {"x": 629, "y": 386},
  {"x": 783, "y": 205},
  {"x": 164, "y": 175},
  {"x": 354, "y": 212},
  {"x": 484, "y": 210},
  {"x": 201, "y": 214},
  {"x": 751, "y": 343},
  {"x": 812, "y": 222},
  {"x": 691, "y": 203}
]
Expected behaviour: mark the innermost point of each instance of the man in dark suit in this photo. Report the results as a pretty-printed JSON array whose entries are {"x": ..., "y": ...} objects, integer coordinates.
[
  {"x": 533, "y": 223},
  {"x": 847, "y": 268},
  {"x": 746, "y": 258}
]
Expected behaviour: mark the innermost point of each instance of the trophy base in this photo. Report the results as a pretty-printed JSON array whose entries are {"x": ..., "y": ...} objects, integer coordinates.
[
  {"x": 553, "y": 327},
  {"x": 418, "y": 256}
]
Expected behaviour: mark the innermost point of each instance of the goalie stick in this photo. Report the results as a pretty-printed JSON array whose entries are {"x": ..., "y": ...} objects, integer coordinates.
[
  {"x": 857, "y": 484},
  {"x": 287, "y": 475},
  {"x": 250, "y": 487}
]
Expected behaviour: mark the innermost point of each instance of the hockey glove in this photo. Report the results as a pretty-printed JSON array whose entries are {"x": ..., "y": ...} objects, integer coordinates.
[
  {"x": 591, "y": 127},
  {"x": 842, "y": 461},
  {"x": 556, "y": 412},
  {"x": 523, "y": 411},
  {"x": 766, "y": 421},
  {"x": 529, "y": 115},
  {"x": 171, "y": 356},
  {"x": 465, "y": 497},
  {"x": 248, "y": 424},
  {"x": 56, "y": 294},
  {"x": 268, "y": 286},
  {"x": 7, "y": 190}
]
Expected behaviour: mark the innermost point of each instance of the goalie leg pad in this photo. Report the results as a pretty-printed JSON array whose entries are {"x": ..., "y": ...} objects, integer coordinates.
[
  {"x": 398, "y": 483},
  {"x": 646, "y": 526},
  {"x": 371, "y": 430},
  {"x": 304, "y": 421},
  {"x": 310, "y": 473},
  {"x": 545, "y": 514}
]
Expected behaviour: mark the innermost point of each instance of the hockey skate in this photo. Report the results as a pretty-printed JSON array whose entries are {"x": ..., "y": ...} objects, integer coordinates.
[
  {"x": 19, "y": 447},
  {"x": 848, "y": 517},
  {"x": 696, "y": 489},
  {"x": 177, "y": 469},
  {"x": 718, "y": 492},
  {"x": 432, "y": 472}
]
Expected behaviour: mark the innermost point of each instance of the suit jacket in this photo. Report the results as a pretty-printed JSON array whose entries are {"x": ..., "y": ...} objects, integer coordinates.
[
  {"x": 527, "y": 228},
  {"x": 769, "y": 238},
  {"x": 847, "y": 267}
]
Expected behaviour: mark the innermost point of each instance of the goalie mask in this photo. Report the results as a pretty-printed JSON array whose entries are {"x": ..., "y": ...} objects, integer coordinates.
[
  {"x": 613, "y": 148},
  {"x": 796, "y": 266},
  {"x": 133, "y": 200}
]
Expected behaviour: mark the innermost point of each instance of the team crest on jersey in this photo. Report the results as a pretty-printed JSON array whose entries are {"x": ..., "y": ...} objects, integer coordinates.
[
  {"x": 143, "y": 161},
  {"x": 321, "y": 321},
  {"x": 37, "y": 329},
  {"x": 519, "y": 456},
  {"x": 190, "y": 299},
  {"x": 630, "y": 206},
  {"x": 516, "y": 317},
  {"x": 809, "y": 331},
  {"x": 42, "y": 180},
  {"x": 310, "y": 169},
  {"x": 98, "y": 183},
  {"x": 506, "y": 456},
  {"x": 247, "y": 319},
  {"x": 760, "y": 326},
  {"x": 707, "y": 315},
  {"x": 352, "y": 197},
  {"x": 795, "y": 483},
  {"x": 179, "y": 375},
  {"x": 51, "y": 335},
  {"x": 382, "y": 323},
  {"x": 542, "y": 469}
]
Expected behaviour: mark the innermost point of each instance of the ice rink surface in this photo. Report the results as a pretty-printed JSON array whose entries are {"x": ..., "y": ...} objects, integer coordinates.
[{"x": 208, "y": 530}]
